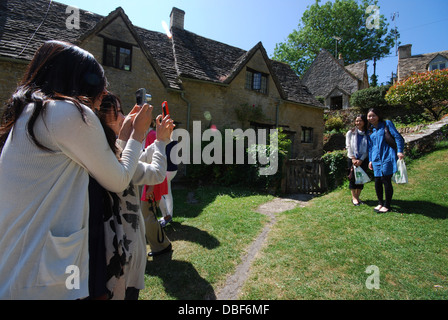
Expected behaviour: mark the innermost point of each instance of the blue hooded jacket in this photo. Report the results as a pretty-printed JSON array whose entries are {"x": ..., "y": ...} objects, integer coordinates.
[{"x": 383, "y": 157}]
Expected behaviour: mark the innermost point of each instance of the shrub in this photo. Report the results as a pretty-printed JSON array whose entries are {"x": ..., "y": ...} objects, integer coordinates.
[
  {"x": 373, "y": 97},
  {"x": 335, "y": 168},
  {"x": 426, "y": 91},
  {"x": 334, "y": 123}
]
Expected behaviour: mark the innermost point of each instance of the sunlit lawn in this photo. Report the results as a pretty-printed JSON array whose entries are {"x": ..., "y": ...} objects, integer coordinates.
[{"x": 318, "y": 252}]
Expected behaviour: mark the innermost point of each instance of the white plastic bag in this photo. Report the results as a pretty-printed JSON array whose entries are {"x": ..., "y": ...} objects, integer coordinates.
[
  {"x": 401, "y": 176},
  {"x": 361, "y": 176}
]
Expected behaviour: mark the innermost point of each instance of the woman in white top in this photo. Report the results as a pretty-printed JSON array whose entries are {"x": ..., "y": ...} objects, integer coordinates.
[
  {"x": 50, "y": 141},
  {"x": 357, "y": 153}
]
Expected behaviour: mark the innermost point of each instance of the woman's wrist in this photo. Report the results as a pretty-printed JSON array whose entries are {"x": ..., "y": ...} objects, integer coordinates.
[{"x": 137, "y": 135}]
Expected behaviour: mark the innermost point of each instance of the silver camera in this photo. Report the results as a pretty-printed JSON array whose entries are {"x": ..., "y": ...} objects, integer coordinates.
[{"x": 142, "y": 97}]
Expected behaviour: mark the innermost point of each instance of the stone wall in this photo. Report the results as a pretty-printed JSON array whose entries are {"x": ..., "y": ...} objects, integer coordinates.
[
  {"x": 220, "y": 102},
  {"x": 423, "y": 141}
]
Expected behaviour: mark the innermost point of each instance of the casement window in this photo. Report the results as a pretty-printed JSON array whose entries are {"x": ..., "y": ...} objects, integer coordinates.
[
  {"x": 117, "y": 55},
  {"x": 307, "y": 135},
  {"x": 438, "y": 63},
  {"x": 256, "y": 81},
  {"x": 437, "y": 66}
]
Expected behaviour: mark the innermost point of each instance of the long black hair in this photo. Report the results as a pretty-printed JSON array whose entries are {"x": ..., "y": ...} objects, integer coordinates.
[
  {"x": 364, "y": 119},
  {"x": 109, "y": 106},
  {"x": 58, "y": 71},
  {"x": 378, "y": 113}
]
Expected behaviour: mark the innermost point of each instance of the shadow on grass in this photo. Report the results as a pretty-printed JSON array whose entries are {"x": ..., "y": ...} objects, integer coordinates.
[
  {"x": 178, "y": 232},
  {"x": 180, "y": 279},
  {"x": 428, "y": 209}
]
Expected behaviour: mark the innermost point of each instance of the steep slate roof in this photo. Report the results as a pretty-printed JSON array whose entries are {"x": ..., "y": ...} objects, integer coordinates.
[
  {"x": 186, "y": 55},
  {"x": 357, "y": 69},
  {"x": 326, "y": 72},
  {"x": 20, "y": 19},
  {"x": 417, "y": 63},
  {"x": 293, "y": 87}
]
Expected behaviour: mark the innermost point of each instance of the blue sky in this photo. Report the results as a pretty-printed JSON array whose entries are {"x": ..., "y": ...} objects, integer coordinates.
[{"x": 244, "y": 23}]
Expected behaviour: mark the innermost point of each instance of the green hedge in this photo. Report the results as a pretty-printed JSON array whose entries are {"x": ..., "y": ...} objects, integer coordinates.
[{"x": 335, "y": 168}]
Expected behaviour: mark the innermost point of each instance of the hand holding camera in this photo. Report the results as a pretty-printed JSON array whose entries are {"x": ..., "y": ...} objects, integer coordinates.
[
  {"x": 164, "y": 124},
  {"x": 137, "y": 122}
]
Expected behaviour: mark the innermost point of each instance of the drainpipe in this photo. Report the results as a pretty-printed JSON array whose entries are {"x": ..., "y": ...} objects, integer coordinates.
[
  {"x": 182, "y": 96},
  {"x": 277, "y": 113}
]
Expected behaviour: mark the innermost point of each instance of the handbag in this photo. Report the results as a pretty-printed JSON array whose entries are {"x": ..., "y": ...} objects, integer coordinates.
[
  {"x": 351, "y": 174},
  {"x": 361, "y": 176},
  {"x": 401, "y": 176},
  {"x": 390, "y": 140}
]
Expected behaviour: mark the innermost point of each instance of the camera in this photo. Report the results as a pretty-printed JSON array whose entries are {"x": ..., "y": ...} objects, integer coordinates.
[{"x": 142, "y": 97}]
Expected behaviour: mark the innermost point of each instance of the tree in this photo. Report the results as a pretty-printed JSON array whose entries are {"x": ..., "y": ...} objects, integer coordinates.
[
  {"x": 373, "y": 97},
  {"x": 374, "y": 80},
  {"x": 322, "y": 26},
  {"x": 427, "y": 91}
]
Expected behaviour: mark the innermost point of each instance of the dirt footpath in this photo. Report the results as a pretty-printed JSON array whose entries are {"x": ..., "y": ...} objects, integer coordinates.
[{"x": 234, "y": 283}]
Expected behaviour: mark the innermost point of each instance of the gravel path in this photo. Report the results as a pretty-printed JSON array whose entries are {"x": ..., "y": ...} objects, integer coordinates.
[{"x": 234, "y": 283}]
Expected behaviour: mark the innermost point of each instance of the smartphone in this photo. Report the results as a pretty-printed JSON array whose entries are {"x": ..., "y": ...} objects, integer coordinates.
[
  {"x": 165, "y": 110},
  {"x": 142, "y": 97}
]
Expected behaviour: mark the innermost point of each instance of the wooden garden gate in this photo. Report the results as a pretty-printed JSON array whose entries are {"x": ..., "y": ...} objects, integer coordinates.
[{"x": 304, "y": 176}]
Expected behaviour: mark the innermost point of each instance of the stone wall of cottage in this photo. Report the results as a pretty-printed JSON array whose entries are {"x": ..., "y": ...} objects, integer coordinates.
[
  {"x": 142, "y": 73},
  {"x": 220, "y": 101}
]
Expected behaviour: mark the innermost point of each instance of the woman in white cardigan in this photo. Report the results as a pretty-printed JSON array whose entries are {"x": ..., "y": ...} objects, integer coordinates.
[
  {"x": 50, "y": 141},
  {"x": 357, "y": 153}
]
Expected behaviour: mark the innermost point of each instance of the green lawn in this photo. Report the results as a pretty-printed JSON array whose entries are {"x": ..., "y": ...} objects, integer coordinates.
[
  {"x": 323, "y": 251},
  {"x": 208, "y": 239},
  {"x": 318, "y": 252}
]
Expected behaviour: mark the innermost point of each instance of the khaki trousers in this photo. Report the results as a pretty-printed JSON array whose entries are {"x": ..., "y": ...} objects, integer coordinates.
[{"x": 155, "y": 236}]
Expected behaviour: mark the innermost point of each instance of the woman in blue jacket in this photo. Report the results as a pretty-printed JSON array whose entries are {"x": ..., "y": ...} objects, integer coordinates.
[{"x": 383, "y": 158}]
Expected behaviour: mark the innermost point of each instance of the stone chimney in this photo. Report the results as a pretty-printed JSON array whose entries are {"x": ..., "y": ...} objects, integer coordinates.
[
  {"x": 177, "y": 18},
  {"x": 404, "y": 51}
]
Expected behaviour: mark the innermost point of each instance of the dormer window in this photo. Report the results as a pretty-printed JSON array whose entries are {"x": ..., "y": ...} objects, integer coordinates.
[
  {"x": 256, "y": 81},
  {"x": 117, "y": 55},
  {"x": 438, "y": 63},
  {"x": 437, "y": 66}
]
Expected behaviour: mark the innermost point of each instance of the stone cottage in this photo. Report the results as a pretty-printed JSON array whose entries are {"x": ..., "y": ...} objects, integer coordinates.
[
  {"x": 202, "y": 79},
  {"x": 408, "y": 63},
  {"x": 330, "y": 79}
]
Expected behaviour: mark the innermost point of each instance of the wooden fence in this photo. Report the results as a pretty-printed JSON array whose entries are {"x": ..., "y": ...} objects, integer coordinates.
[{"x": 304, "y": 176}]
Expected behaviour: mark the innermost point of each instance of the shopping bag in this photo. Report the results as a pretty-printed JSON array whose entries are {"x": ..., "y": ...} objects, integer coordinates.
[
  {"x": 401, "y": 176},
  {"x": 361, "y": 176}
]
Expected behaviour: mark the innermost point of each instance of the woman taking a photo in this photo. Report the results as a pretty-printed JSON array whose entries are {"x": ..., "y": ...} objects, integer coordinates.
[
  {"x": 357, "y": 152},
  {"x": 50, "y": 141},
  {"x": 383, "y": 156}
]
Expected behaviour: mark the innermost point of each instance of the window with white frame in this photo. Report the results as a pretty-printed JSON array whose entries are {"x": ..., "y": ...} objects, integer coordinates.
[{"x": 438, "y": 63}]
